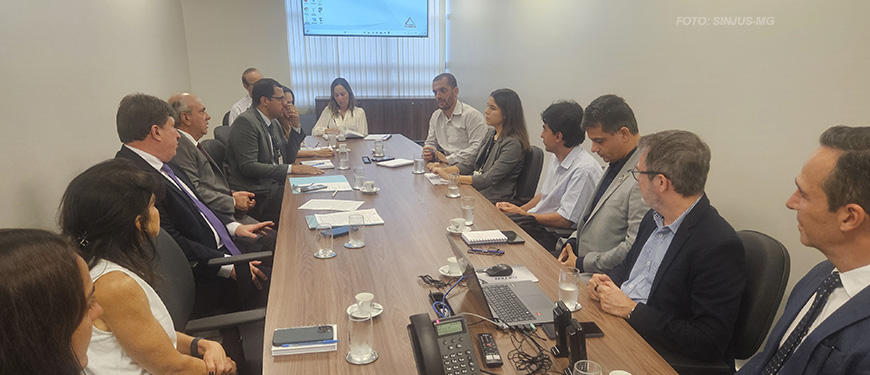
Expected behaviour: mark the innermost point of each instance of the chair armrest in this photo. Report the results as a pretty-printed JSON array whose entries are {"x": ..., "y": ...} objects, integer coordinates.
[
  {"x": 218, "y": 322},
  {"x": 243, "y": 258}
]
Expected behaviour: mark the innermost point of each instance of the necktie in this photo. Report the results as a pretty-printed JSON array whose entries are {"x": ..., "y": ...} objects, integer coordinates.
[
  {"x": 208, "y": 157},
  {"x": 828, "y": 285},
  {"x": 276, "y": 149},
  {"x": 213, "y": 220}
]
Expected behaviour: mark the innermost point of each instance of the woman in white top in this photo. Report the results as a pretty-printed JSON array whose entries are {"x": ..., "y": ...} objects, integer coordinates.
[
  {"x": 109, "y": 210},
  {"x": 342, "y": 114},
  {"x": 47, "y": 304}
]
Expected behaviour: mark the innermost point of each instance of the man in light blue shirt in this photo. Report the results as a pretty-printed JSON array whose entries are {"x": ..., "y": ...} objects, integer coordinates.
[{"x": 571, "y": 178}]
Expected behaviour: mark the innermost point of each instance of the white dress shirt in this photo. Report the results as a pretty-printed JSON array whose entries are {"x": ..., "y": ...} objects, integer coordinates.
[
  {"x": 354, "y": 120},
  {"x": 242, "y": 105},
  {"x": 568, "y": 182},
  {"x": 459, "y": 136}
]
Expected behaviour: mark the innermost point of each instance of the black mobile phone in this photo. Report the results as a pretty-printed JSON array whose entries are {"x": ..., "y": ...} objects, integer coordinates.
[
  {"x": 306, "y": 189},
  {"x": 513, "y": 237},
  {"x": 366, "y": 160},
  {"x": 382, "y": 158},
  {"x": 337, "y": 231},
  {"x": 590, "y": 329}
]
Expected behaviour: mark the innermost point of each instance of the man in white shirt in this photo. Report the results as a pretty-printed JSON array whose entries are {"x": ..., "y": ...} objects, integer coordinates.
[
  {"x": 571, "y": 177},
  {"x": 249, "y": 78},
  {"x": 456, "y": 129},
  {"x": 825, "y": 323}
]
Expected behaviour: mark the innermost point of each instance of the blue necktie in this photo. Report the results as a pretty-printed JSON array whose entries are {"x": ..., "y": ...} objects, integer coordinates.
[
  {"x": 213, "y": 220},
  {"x": 828, "y": 285}
]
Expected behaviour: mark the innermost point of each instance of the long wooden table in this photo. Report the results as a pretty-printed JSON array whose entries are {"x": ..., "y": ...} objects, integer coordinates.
[{"x": 412, "y": 242}]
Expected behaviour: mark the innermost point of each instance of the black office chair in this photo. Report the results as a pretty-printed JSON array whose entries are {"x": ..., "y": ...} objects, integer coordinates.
[
  {"x": 222, "y": 133},
  {"x": 307, "y": 121},
  {"x": 177, "y": 292},
  {"x": 216, "y": 149},
  {"x": 226, "y": 120},
  {"x": 767, "y": 270},
  {"x": 527, "y": 182}
]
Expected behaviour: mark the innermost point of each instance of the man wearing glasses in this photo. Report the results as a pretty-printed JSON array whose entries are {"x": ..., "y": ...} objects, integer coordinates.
[
  {"x": 254, "y": 154},
  {"x": 681, "y": 284},
  {"x": 608, "y": 225}
]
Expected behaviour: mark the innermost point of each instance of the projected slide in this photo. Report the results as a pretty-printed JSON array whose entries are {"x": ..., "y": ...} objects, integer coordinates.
[{"x": 390, "y": 18}]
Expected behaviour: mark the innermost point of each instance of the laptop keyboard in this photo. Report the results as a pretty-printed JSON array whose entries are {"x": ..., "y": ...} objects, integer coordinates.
[{"x": 505, "y": 303}]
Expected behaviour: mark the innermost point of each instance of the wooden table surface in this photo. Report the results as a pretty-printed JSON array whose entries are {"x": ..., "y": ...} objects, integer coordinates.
[{"x": 310, "y": 291}]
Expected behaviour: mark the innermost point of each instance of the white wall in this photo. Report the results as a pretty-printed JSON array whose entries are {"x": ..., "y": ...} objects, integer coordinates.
[
  {"x": 225, "y": 37},
  {"x": 758, "y": 95},
  {"x": 65, "y": 67}
]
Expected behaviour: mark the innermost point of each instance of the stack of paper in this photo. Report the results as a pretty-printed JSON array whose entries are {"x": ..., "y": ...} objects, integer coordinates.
[
  {"x": 395, "y": 163},
  {"x": 435, "y": 179},
  {"x": 331, "y": 205},
  {"x": 320, "y": 164},
  {"x": 378, "y": 137},
  {"x": 333, "y": 183},
  {"x": 338, "y": 219}
]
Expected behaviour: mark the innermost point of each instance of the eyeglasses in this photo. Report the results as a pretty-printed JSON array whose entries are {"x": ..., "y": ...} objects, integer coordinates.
[
  {"x": 634, "y": 172},
  {"x": 281, "y": 98}
]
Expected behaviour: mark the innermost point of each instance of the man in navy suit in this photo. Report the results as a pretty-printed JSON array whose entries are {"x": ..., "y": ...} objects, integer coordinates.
[
  {"x": 826, "y": 321},
  {"x": 682, "y": 281},
  {"x": 146, "y": 127}
]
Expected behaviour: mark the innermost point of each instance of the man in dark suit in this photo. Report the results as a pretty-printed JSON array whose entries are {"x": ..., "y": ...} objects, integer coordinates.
[
  {"x": 826, "y": 321},
  {"x": 146, "y": 127},
  {"x": 254, "y": 151},
  {"x": 191, "y": 120},
  {"x": 681, "y": 284}
]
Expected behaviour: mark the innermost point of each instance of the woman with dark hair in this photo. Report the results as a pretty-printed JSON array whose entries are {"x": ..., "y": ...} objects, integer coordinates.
[
  {"x": 293, "y": 135},
  {"x": 46, "y": 304},
  {"x": 500, "y": 159},
  {"x": 343, "y": 114},
  {"x": 109, "y": 211}
]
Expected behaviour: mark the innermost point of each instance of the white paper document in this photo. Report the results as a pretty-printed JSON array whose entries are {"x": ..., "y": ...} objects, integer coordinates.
[
  {"x": 331, "y": 204},
  {"x": 435, "y": 179},
  {"x": 376, "y": 137},
  {"x": 319, "y": 164},
  {"x": 337, "y": 219}
]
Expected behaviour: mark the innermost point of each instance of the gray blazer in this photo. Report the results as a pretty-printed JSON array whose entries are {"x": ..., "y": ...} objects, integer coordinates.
[
  {"x": 249, "y": 156},
  {"x": 605, "y": 238},
  {"x": 207, "y": 177},
  {"x": 497, "y": 180}
]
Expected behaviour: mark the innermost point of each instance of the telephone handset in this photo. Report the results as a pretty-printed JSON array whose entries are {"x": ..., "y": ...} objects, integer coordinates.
[{"x": 442, "y": 347}]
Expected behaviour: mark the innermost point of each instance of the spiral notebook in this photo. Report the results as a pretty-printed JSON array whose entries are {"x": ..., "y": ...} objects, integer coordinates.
[{"x": 477, "y": 237}]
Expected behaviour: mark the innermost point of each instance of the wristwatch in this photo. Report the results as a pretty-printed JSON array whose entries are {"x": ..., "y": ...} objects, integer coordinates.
[{"x": 630, "y": 312}]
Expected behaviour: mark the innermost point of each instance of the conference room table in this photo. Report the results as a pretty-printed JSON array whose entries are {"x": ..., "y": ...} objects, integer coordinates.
[{"x": 413, "y": 241}]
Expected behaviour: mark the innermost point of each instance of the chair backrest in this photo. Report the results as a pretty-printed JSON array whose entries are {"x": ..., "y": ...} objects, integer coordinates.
[
  {"x": 226, "y": 120},
  {"x": 767, "y": 270},
  {"x": 527, "y": 182},
  {"x": 306, "y": 122},
  {"x": 222, "y": 133},
  {"x": 176, "y": 288},
  {"x": 215, "y": 149}
]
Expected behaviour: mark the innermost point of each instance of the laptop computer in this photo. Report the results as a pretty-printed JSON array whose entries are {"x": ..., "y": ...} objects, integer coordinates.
[{"x": 516, "y": 303}]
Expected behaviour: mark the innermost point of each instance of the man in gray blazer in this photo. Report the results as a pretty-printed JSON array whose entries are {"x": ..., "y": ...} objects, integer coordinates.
[
  {"x": 609, "y": 223},
  {"x": 253, "y": 155},
  {"x": 209, "y": 180}
]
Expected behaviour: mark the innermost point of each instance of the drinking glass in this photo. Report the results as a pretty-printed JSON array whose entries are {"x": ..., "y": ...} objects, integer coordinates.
[
  {"x": 359, "y": 176},
  {"x": 341, "y": 137},
  {"x": 569, "y": 287},
  {"x": 323, "y": 238},
  {"x": 585, "y": 367},
  {"x": 356, "y": 223},
  {"x": 453, "y": 186},
  {"x": 468, "y": 210},
  {"x": 379, "y": 148},
  {"x": 419, "y": 164},
  {"x": 360, "y": 337},
  {"x": 343, "y": 156},
  {"x": 333, "y": 141}
]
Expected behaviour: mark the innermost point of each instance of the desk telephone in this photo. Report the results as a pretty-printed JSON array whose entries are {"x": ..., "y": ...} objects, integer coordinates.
[{"x": 442, "y": 347}]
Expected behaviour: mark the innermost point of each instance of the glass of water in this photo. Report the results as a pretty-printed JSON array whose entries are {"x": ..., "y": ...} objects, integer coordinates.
[
  {"x": 468, "y": 210},
  {"x": 585, "y": 367},
  {"x": 379, "y": 148},
  {"x": 419, "y": 164},
  {"x": 356, "y": 223},
  {"x": 359, "y": 176},
  {"x": 333, "y": 141},
  {"x": 343, "y": 156},
  {"x": 453, "y": 185},
  {"x": 569, "y": 287},
  {"x": 360, "y": 336},
  {"x": 341, "y": 137},
  {"x": 323, "y": 238}
]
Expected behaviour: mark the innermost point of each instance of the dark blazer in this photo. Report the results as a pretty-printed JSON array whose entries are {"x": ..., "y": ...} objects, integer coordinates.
[
  {"x": 499, "y": 170},
  {"x": 839, "y": 345},
  {"x": 180, "y": 217},
  {"x": 289, "y": 146},
  {"x": 249, "y": 156},
  {"x": 207, "y": 177},
  {"x": 696, "y": 293}
]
